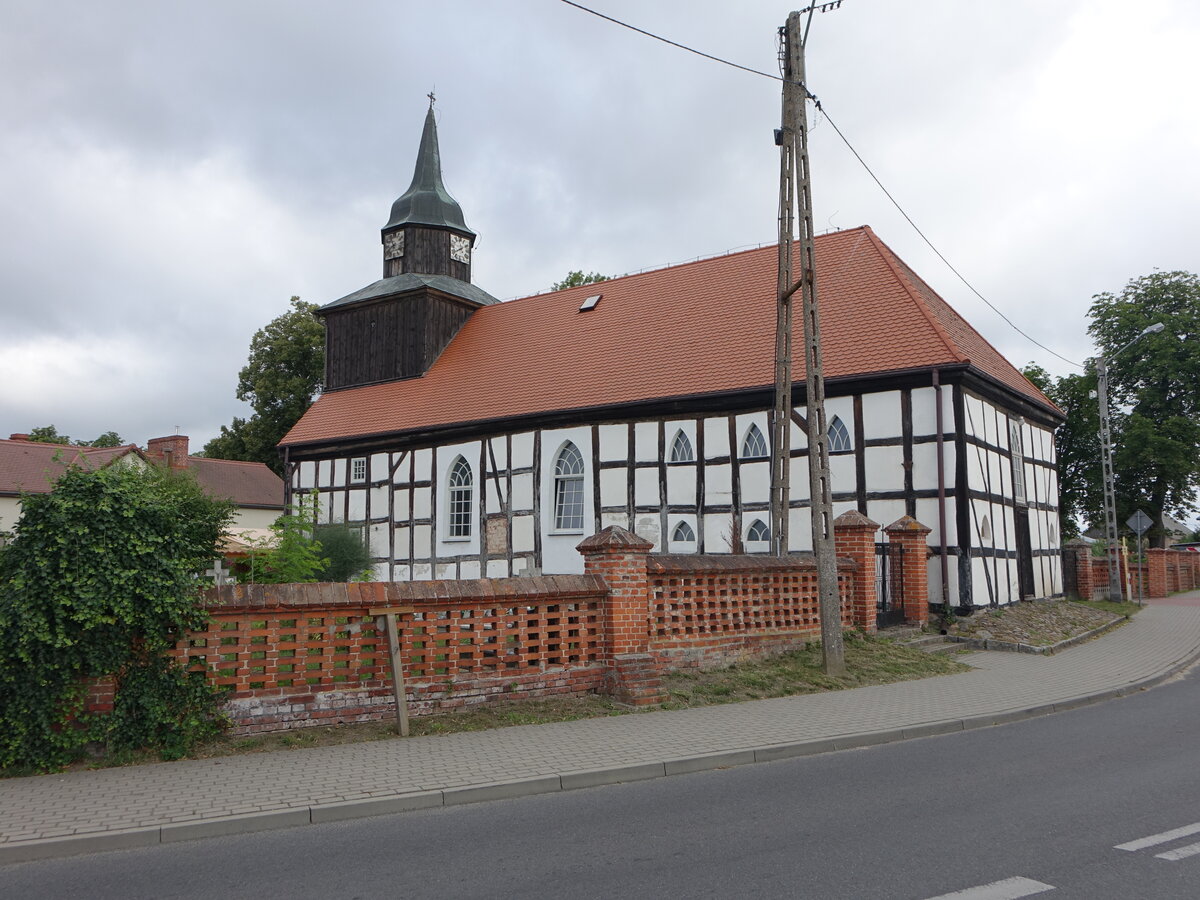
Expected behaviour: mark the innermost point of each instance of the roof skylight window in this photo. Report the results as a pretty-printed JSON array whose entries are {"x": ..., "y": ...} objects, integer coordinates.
[{"x": 590, "y": 302}]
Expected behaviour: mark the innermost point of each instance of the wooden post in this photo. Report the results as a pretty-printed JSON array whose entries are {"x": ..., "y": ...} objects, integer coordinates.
[{"x": 393, "y": 636}]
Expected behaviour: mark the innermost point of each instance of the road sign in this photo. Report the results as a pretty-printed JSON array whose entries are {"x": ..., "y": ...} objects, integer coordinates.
[{"x": 1139, "y": 522}]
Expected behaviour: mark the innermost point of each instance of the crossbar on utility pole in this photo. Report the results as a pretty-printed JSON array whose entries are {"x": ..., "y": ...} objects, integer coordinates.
[{"x": 795, "y": 183}]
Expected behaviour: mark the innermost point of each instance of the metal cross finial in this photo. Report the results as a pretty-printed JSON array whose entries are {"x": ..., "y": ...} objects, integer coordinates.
[{"x": 431, "y": 99}]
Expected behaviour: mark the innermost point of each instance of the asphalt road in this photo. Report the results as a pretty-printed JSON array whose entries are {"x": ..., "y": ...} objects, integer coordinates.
[{"x": 1037, "y": 808}]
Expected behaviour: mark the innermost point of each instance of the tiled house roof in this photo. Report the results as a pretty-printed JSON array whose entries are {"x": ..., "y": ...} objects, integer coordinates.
[
  {"x": 704, "y": 327},
  {"x": 32, "y": 467},
  {"x": 249, "y": 484}
]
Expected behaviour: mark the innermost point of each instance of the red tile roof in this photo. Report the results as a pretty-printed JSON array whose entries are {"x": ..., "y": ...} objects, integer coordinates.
[
  {"x": 246, "y": 483},
  {"x": 32, "y": 467},
  {"x": 699, "y": 328}
]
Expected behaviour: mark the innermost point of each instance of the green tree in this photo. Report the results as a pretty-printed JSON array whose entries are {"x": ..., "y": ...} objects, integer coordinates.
[
  {"x": 576, "y": 279},
  {"x": 1155, "y": 391},
  {"x": 1077, "y": 447},
  {"x": 108, "y": 439},
  {"x": 101, "y": 580},
  {"x": 48, "y": 434},
  {"x": 280, "y": 380},
  {"x": 346, "y": 552}
]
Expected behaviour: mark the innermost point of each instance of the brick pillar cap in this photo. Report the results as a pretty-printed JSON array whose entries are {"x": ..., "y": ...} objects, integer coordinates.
[
  {"x": 614, "y": 537},
  {"x": 907, "y": 523},
  {"x": 1163, "y": 550},
  {"x": 1077, "y": 544},
  {"x": 852, "y": 518}
]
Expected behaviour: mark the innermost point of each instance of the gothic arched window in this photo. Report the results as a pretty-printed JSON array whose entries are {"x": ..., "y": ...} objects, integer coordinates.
[
  {"x": 758, "y": 531},
  {"x": 683, "y": 534},
  {"x": 681, "y": 449},
  {"x": 459, "y": 496},
  {"x": 839, "y": 436},
  {"x": 568, "y": 489},
  {"x": 754, "y": 445}
]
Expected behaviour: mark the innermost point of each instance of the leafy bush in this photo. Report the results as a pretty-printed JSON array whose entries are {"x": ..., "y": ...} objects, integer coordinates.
[
  {"x": 348, "y": 557},
  {"x": 100, "y": 580}
]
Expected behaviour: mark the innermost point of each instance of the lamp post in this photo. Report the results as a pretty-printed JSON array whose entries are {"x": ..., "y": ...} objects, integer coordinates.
[{"x": 1106, "y": 466}]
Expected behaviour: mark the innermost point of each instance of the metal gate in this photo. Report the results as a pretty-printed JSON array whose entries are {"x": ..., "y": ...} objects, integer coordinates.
[{"x": 889, "y": 584}]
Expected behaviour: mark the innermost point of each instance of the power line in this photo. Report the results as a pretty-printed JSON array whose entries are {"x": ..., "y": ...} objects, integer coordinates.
[{"x": 811, "y": 96}]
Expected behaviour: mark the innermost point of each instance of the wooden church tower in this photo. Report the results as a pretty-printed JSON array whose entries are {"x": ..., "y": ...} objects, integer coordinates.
[{"x": 398, "y": 326}]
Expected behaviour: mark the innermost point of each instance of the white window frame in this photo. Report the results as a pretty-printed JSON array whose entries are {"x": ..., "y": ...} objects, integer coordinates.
[
  {"x": 569, "y": 488},
  {"x": 675, "y": 536},
  {"x": 744, "y": 449},
  {"x": 763, "y": 527},
  {"x": 358, "y": 470},
  {"x": 460, "y": 500},
  {"x": 1018, "y": 461}
]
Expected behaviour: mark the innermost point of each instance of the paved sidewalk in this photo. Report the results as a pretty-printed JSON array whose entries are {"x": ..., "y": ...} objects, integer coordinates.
[{"x": 83, "y": 812}]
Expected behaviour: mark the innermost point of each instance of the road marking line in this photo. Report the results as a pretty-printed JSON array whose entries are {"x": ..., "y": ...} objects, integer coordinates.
[
  {"x": 1179, "y": 853},
  {"x": 1008, "y": 889},
  {"x": 1142, "y": 843}
]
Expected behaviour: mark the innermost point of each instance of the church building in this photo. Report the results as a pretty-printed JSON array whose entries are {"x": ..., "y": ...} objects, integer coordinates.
[{"x": 472, "y": 438}]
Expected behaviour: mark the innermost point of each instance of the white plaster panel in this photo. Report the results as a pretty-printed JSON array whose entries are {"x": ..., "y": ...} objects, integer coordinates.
[
  {"x": 334, "y": 506},
  {"x": 497, "y": 568},
  {"x": 522, "y": 450},
  {"x": 422, "y": 464},
  {"x": 379, "y": 571},
  {"x": 884, "y": 468},
  {"x": 422, "y": 572},
  {"x": 927, "y": 515},
  {"x": 744, "y": 421},
  {"x": 338, "y": 478},
  {"x": 645, "y": 487},
  {"x": 681, "y": 485},
  {"x": 756, "y": 481},
  {"x": 608, "y": 519},
  {"x": 401, "y": 573},
  {"x": 885, "y": 512},
  {"x": 924, "y": 411},
  {"x": 843, "y": 407},
  {"x": 645, "y": 437},
  {"x": 402, "y": 537},
  {"x": 842, "y": 506},
  {"x": 649, "y": 527},
  {"x": 614, "y": 443},
  {"x": 716, "y": 437},
  {"x": 799, "y": 435},
  {"x": 718, "y": 533},
  {"x": 401, "y": 505},
  {"x": 934, "y": 567},
  {"x": 379, "y": 501},
  {"x": 613, "y": 484},
  {"x": 881, "y": 415},
  {"x": 403, "y": 465},
  {"x": 522, "y": 491},
  {"x": 800, "y": 529},
  {"x": 522, "y": 534},
  {"x": 379, "y": 540},
  {"x": 445, "y": 571},
  {"x": 422, "y": 541},
  {"x": 842, "y": 472},
  {"x": 498, "y": 451},
  {"x": 519, "y": 565},
  {"x": 468, "y": 568},
  {"x": 798, "y": 466},
  {"x": 378, "y": 466},
  {"x": 491, "y": 496},
  {"x": 673, "y": 427},
  {"x": 421, "y": 503},
  {"x": 718, "y": 485},
  {"x": 306, "y": 474}
]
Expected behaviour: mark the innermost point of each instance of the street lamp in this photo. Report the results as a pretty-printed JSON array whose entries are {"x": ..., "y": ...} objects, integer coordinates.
[{"x": 1106, "y": 465}]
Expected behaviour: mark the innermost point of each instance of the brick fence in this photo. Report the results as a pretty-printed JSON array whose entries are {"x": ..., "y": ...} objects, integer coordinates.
[
  {"x": 309, "y": 654},
  {"x": 1163, "y": 573}
]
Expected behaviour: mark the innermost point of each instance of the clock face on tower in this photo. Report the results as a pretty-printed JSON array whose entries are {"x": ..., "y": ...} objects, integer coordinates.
[
  {"x": 460, "y": 248},
  {"x": 393, "y": 245}
]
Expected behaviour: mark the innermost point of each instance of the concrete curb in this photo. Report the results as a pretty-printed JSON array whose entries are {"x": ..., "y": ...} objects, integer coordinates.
[{"x": 72, "y": 845}]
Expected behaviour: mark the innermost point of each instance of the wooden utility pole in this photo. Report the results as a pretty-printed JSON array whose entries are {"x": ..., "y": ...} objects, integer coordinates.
[{"x": 795, "y": 185}]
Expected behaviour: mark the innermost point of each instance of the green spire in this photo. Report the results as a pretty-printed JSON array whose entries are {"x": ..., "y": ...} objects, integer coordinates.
[{"x": 427, "y": 202}]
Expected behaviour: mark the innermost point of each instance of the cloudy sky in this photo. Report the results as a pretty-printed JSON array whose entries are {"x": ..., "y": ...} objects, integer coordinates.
[{"x": 172, "y": 173}]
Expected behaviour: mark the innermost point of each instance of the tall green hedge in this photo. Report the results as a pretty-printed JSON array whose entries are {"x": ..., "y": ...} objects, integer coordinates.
[{"x": 102, "y": 578}]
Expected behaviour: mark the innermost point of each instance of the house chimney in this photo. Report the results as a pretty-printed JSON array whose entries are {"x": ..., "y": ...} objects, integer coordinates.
[
  {"x": 171, "y": 451},
  {"x": 18, "y": 437}
]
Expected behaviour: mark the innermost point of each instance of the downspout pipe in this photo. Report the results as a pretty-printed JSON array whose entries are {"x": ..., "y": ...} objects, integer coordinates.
[{"x": 941, "y": 485}]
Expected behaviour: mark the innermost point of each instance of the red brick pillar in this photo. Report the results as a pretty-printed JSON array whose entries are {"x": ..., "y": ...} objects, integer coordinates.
[
  {"x": 910, "y": 534},
  {"x": 618, "y": 556},
  {"x": 1078, "y": 555},
  {"x": 1156, "y": 579},
  {"x": 854, "y": 538}
]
